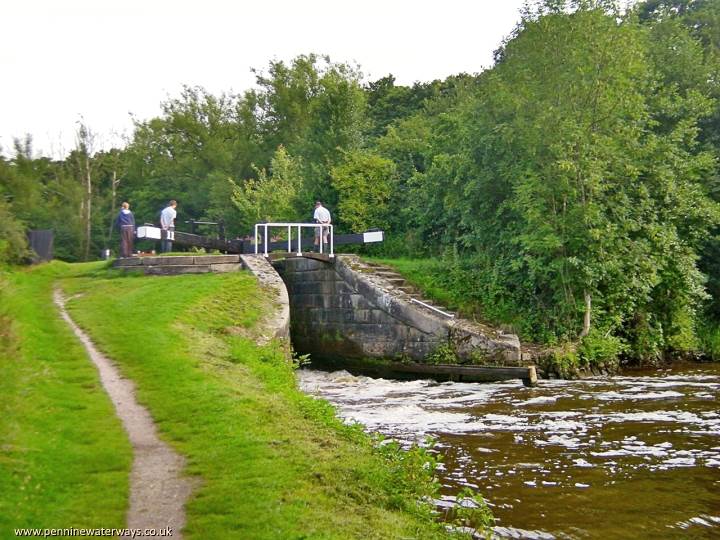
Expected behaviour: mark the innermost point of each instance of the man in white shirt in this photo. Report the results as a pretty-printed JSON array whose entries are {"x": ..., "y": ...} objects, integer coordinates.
[
  {"x": 321, "y": 215},
  {"x": 167, "y": 224}
]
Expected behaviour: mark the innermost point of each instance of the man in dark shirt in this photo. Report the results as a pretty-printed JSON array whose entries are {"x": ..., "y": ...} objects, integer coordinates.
[{"x": 126, "y": 223}]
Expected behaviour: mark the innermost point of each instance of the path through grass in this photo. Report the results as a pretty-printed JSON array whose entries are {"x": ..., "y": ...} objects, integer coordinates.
[
  {"x": 273, "y": 462},
  {"x": 64, "y": 458}
]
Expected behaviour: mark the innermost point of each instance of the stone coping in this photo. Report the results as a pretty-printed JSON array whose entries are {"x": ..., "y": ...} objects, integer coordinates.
[
  {"x": 278, "y": 322},
  {"x": 180, "y": 260}
]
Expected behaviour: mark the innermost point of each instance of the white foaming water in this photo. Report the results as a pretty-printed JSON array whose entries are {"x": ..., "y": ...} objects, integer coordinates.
[
  {"x": 411, "y": 418},
  {"x": 513, "y": 441},
  {"x": 409, "y": 410},
  {"x": 542, "y": 400},
  {"x": 402, "y": 408},
  {"x": 637, "y": 394}
]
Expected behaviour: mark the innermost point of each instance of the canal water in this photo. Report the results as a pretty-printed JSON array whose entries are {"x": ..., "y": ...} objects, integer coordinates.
[{"x": 633, "y": 456}]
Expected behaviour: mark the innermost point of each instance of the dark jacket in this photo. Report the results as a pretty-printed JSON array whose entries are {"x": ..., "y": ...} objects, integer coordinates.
[{"x": 125, "y": 217}]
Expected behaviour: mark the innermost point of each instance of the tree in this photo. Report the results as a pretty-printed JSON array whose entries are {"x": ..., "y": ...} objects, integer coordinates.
[
  {"x": 572, "y": 171},
  {"x": 44, "y": 194},
  {"x": 316, "y": 109},
  {"x": 13, "y": 245},
  {"x": 687, "y": 34},
  {"x": 364, "y": 183},
  {"x": 271, "y": 197},
  {"x": 82, "y": 158},
  {"x": 188, "y": 154}
]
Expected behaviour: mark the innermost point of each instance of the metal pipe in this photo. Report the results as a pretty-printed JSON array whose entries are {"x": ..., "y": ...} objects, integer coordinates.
[
  {"x": 256, "y": 239},
  {"x": 289, "y": 239},
  {"x": 449, "y": 315},
  {"x": 299, "y": 251},
  {"x": 266, "y": 239},
  {"x": 332, "y": 241}
]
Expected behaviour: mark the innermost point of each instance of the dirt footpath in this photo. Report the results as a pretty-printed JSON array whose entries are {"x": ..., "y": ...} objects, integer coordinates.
[{"x": 158, "y": 490}]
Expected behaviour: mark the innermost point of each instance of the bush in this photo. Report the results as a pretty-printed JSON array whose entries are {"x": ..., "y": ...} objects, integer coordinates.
[
  {"x": 599, "y": 349},
  {"x": 562, "y": 361},
  {"x": 13, "y": 244},
  {"x": 471, "y": 510},
  {"x": 412, "y": 474},
  {"x": 444, "y": 354},
  {"x": 709, "y": 336}
]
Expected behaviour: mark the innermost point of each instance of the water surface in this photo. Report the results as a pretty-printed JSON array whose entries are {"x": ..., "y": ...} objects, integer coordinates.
[{"x": 635, "y": 456}]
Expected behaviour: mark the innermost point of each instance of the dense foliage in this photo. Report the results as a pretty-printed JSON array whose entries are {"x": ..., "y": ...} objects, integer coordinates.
[{"x": 572, "y": 189}]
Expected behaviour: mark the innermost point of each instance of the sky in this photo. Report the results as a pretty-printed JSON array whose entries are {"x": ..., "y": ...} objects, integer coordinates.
[{"x": 107, "y": 62}]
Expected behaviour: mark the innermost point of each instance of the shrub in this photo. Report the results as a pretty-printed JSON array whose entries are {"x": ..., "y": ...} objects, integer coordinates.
[
  {"x": 709, "y": 336},
  {"x": 599, "y": 349},
  {"x": 444, "y": 354},
  {"x": 13, "y": 244}
]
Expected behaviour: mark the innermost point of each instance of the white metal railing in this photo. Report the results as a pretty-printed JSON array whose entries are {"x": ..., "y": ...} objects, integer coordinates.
[
  {"x": 448, "y": 315},
  {"x": 290, "y": 228}
]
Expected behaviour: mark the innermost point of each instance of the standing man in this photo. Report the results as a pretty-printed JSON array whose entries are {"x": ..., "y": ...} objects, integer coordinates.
[
  {"x": 321, "y": 215},
  {"x": 167, "y": 224},
  {"x": 125, "y": 222}
]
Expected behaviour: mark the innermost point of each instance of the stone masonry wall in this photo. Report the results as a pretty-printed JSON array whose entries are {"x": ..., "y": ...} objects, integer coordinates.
[{"x": 341, "y": 309}]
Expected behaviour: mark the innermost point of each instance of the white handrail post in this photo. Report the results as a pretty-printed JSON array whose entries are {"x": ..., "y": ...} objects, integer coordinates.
[
  {"x": 320, "y": 234},
  {"x": 266, "y": 239}
]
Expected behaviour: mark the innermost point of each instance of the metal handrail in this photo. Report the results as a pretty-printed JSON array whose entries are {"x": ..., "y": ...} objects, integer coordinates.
[
  {"x": 449, "y": 315},
  {"x": 290, "y": 227}
]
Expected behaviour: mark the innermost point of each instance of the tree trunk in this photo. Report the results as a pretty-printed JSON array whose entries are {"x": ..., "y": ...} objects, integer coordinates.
[
  {"x": 113, "y": 185},
  {"x": 88, "y": 207},
  {"x": 586, "y": 321}
]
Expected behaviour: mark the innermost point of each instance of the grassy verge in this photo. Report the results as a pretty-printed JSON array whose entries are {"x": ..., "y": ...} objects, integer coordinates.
[
  {"x": 430, "y": 276},
  {"x": 64, "y": 458},
  {"x": 273, "y": 463}
]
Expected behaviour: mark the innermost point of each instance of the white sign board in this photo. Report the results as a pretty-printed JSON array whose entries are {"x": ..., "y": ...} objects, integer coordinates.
[
  {"x": 152, "y": 233},
  {"x": 375, "y": 236}
]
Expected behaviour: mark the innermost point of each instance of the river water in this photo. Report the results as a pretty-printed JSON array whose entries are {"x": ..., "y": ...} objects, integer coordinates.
[{"x": 634, "y": 456}]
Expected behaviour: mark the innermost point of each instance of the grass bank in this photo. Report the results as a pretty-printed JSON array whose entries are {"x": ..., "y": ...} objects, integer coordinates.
[
  {"x": 64, "y": 457},
  {"x": 599, "y": 352},
  {"x": 272, "y": 462},
  {"x": 431, "y": 277}
]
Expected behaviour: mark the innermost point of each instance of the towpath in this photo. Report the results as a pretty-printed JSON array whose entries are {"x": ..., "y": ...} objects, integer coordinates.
[{"x": 158, "y": 489}]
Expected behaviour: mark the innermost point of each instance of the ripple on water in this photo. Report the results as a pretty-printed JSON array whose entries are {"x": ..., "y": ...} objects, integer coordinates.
[
  {"x": 541, "y": 400},
  {"x": 637, "y": 394},
  {"x": 526, "y": 447}
]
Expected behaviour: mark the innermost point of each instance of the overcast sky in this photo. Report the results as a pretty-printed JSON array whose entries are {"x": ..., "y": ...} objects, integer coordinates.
[{"x": 106, "y": 60}]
